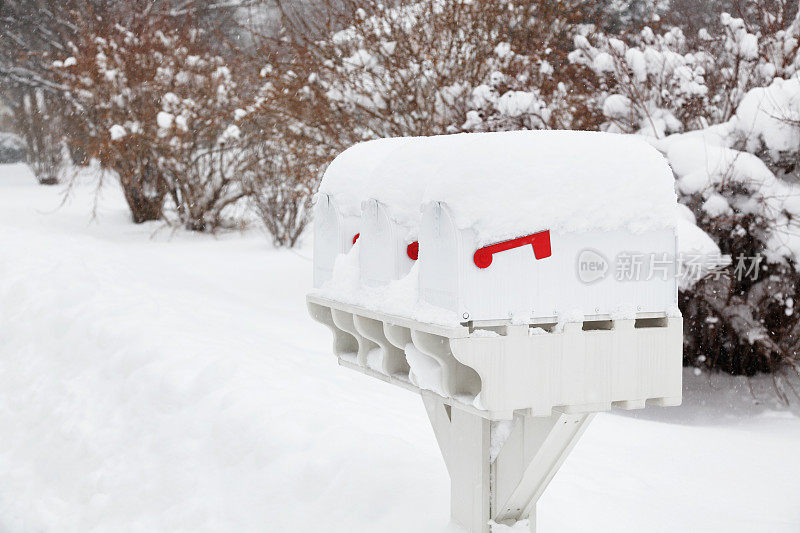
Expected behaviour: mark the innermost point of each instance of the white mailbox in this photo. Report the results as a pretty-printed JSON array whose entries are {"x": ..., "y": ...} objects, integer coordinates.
[
  {"x": 390, "y": 216},
  {"x": 537, "y": 277},
  {"x": 337, "y": 213},
  {"x": 544, "y": 291}
]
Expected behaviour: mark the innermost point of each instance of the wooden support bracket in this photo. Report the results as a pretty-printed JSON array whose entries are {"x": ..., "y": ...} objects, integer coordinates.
[{"x": 500, "y": 486}]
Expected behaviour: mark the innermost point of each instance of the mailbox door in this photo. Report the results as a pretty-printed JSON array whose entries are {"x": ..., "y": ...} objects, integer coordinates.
[
  {"x": 439, "y": 258},
  {"x": 333, "y": 235},
  {"x": 593, "y": 273},
  {"x": 383, "y": 257}
]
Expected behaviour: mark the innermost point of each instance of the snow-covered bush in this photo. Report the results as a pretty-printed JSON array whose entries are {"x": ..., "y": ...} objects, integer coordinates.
[
  {"x": 421, "y": 67},
  {"x": 34, "y": 34},
  {"x": 654, "y": 87},
  {"x": 744, "y": 320},
  {"x": 432, "y": 66},
  {"x": 405, "y": 68},
  {"x": 531, "y": 84},
  {"x": 200, "y": 143},
  {"x": 109, "y": 77},
  {"x": 158, "y": 108},
  {"x": 657, "y": 84}
]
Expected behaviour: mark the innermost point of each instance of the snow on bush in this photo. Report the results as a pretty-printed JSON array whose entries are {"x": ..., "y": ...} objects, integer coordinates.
[
  {"x": 155, "y": 106},
  {"x": 203, "y": 157},
  {"x": 410, "y": 68},
  {"x": 768, "y": 117},
  {"x": 403, "y": 69},
  {"x": 422, "y": 68},
  {"x": 657, "y": 84},
  {"x": 742, "y": 320}
]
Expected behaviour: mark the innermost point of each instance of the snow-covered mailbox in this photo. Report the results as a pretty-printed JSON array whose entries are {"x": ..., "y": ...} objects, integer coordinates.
[
  {"x": 544, "y": 290},
  {"x": 337, "y": 213}
]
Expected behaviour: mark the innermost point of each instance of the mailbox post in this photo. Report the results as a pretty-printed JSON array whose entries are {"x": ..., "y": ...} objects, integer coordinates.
[{"x": 491, "y": 283}]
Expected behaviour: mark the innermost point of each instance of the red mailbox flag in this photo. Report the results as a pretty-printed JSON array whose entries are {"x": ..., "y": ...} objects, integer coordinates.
[
  {"x": 540, "y": 242},
  {"x": 413, "y": 250}
]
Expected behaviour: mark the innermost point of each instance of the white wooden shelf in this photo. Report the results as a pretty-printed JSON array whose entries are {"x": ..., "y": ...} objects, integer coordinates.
[{"x": 584, "y": 367}]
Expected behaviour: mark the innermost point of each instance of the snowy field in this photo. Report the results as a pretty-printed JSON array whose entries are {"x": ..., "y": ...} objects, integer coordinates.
[{"x": 153, "y": 380}]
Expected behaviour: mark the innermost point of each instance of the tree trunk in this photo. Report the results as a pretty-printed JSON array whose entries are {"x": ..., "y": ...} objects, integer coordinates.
[{"x": 144, "y": 208}]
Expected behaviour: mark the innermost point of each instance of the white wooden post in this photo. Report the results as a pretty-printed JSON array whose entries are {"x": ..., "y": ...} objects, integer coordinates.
[
  {"x": 505, "y": 488},
  {"x": 464, "y": 441}
]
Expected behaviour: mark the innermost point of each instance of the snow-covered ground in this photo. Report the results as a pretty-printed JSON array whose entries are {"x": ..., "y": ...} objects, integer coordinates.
[{"x": 153, "y": 380}]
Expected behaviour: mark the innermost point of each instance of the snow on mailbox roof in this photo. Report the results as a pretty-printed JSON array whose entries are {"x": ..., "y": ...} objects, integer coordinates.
[
  {"x": 393, "y": 171},
  {"x": 348, "y": 176},
  {"x": 511, "y": 183},
  {"x": 401, "y": 179}
]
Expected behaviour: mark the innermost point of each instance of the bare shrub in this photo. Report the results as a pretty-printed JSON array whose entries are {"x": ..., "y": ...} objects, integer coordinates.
[
  {"x": 292, "y": 133},
  {"x": 280, "y": 184},
  {"x": 38, "y": 121}
]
